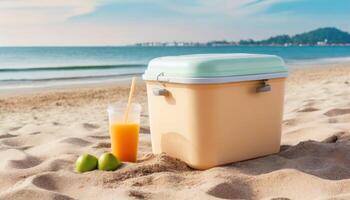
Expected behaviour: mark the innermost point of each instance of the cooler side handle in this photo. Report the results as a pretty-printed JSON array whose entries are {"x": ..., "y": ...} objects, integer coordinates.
[
  {"x": 160, "y": 92},
  {"x": 265, "y": 87}
]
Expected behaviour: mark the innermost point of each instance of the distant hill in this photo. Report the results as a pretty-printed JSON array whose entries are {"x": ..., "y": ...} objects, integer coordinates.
[{"x": 321, "y": 36}]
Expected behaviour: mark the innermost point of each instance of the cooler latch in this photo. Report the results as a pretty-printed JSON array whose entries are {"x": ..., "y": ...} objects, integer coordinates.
[
  {"x": 264, "y": 87},
  {"x": 161, "y": 91},
  {"x": 162, "y": 78}
]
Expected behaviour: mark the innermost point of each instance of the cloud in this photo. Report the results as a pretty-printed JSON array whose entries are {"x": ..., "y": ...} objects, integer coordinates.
[
  {"x": 38, "y": 12},
  {"x": 46, "y": 22},
  {"x": 226, "y": 7},
  {"x": 101, "y": 34},
  {"x": 17, "y": 12}
]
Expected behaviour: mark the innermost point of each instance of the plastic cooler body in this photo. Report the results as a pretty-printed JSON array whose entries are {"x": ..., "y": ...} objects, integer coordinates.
[
  {"x": 207, "y": 119},
  {"x": 210, "y": 125}
]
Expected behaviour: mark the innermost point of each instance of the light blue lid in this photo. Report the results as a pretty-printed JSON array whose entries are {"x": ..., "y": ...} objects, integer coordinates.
[{"x": 215, "y": 68}]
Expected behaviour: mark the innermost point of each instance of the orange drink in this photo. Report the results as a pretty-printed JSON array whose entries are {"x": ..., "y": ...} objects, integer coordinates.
[
  {"x": 124, "y": 134},
  {"x": 125, "y": 139}
]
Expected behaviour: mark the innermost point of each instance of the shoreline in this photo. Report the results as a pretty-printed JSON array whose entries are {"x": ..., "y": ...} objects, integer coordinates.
[
  {"x": 123, "y": 80},
  {"x": 119, "y": 81}
]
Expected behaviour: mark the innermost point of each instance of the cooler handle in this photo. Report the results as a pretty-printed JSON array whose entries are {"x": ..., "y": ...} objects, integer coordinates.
[
  {"x": 265, "y": 87},
  {"x": 160, "y": 92}
]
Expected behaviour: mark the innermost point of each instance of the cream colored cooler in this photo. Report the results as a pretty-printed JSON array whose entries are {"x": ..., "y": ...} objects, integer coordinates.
[{"x": 214, "y": 109}]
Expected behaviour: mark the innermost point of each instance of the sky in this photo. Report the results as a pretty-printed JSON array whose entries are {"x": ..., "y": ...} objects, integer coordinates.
[{"x": 122, "y": 22}]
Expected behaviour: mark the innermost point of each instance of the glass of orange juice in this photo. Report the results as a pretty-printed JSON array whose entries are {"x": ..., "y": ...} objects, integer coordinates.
[{"x": 124, "y": 133}]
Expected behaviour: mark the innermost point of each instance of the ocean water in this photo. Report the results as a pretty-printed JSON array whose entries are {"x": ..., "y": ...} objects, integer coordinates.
[{"x": 23, "y": 67}]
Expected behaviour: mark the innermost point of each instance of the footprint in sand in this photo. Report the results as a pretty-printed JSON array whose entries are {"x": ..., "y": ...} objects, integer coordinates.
[
  {"x": 15, "y": 143},
  {"x": 227, "y": 190},
  {"x": 45, "y": 181},
  {"x": 337, "y": 111},
  {"x": 30, "y": 193},
  {"x": 16, "y": 159},
  {"x": 26, "y": 163},
  {"x": 76, "y": 141},
  {"x": 90, "y": 126}
]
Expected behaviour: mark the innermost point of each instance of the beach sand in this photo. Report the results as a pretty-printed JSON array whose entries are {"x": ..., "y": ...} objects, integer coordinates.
[{"x": 42, "y": 134}]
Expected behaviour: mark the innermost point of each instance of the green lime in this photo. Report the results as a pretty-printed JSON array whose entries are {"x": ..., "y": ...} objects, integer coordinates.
[
  {"x": 86, "y": 162},
  {"x": 108, "y": 162}
]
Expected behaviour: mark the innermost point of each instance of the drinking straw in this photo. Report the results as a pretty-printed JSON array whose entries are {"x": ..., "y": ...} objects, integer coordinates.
[{"x": 132, "y": 88}]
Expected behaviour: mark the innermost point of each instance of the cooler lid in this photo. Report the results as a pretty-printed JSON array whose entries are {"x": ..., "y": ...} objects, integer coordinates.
[{"x": 215, "y": 68}]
